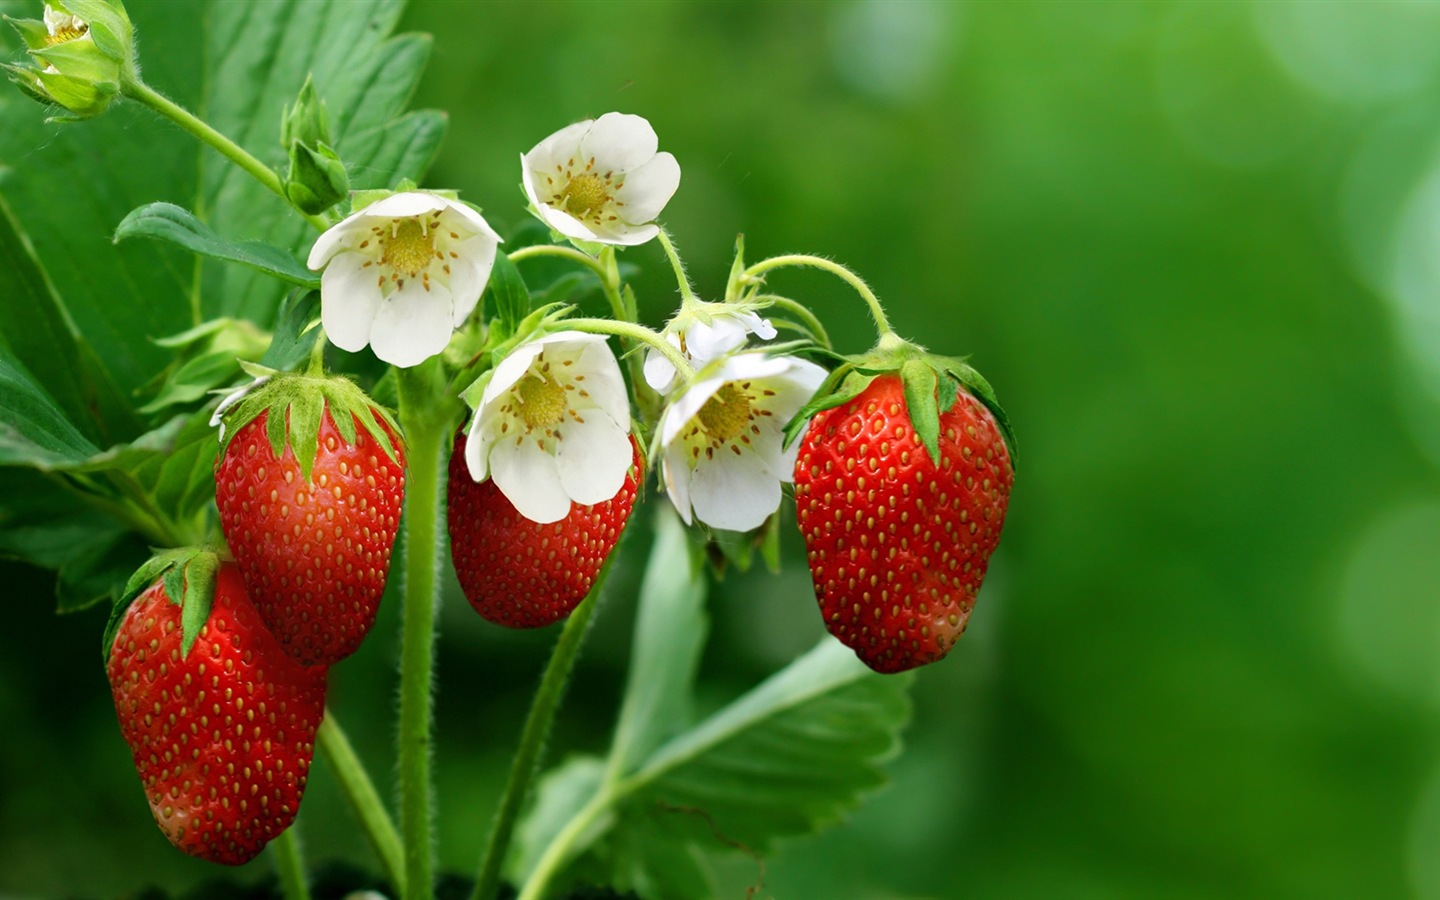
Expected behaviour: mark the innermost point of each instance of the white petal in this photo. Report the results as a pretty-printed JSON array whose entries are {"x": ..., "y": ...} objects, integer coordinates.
[
  {"x": 757, "y": 326},
  {"x": 529, "y": 479},
  {"x": 349, "y": 301},
  {"x": 594, "y": 457},
  {"x": 684, "y": 408},
  {"x": 336, "y": 238},
  {"x": 708, "y": 342},
  {"x": 558, "y": 147},
  {"x": 527, "y": 179},
  {"x": 622, "y": 235},
  {"x": 405, "y": 205},
  {"x": 676, "y": 475},
  {"x": 649, "y": 188},
  {"x": 413, "y": 325},
  {"x": 659, "y": 371},
  {"x": 734, "y": 492},
  {"x": 619, "y": 142},
  {"x": 469, "y": 273},
  {"x": 603, "y": 381},
  {"x": 472, "y": 220},
  {"x": 477, "y": 450},
  {"x": 510, "y": 370},
  {"x": 568, "y": 225}
]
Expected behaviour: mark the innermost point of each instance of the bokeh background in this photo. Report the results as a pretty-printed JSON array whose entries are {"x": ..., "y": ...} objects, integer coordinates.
[{"x": 1196, "y": 248}]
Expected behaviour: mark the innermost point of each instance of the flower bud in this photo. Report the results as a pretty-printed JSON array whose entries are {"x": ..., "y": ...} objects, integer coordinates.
[
  {"x": 316, "y": 179},
  {"x": 85, "y": 52}
]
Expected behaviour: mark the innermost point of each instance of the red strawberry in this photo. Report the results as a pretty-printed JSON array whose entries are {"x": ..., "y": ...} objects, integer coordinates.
[
  {"x": 519, "y": 573},
  {"x": 898, "y": 545},
  {"x": 223, "y": 735},
  {"x": 313, "y": 541}
]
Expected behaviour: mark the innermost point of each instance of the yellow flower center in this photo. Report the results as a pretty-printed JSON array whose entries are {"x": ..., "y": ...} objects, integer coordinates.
[
  {"x": 586, "y": 195},
  {"x": 542, "y": 402},
  {"x": 409, "y": 248},
  {"x": 726, "y": 415},
  {"x": 69, "y": 32}
]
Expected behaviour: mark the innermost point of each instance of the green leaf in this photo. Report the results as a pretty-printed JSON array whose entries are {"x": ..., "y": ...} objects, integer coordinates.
[
  {"x": 670, "y": 630},
  {"x": 40, "y": 332},
  {"x": 294, "y": 337},
  {"x": 919, "y": 381},
  {"x": 195, "y": 379},
  {"x": 789, "y": 757},
  {"x": 510, "y": 296},
  {"x": 33, "y": 429},
  {"x": 559, "y": 795},
  {"x": 168, "y": 222},
  {"x": 265, "y": 52}
]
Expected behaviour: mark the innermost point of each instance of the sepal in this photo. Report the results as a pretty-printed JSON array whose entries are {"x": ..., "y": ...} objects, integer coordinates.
[{"x": 188, "y": 574}]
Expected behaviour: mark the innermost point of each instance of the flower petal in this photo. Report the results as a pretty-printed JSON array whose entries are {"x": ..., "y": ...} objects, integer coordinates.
[
  {"x": 529, "y": 479},
  {"x": 336, "y": 238},
  {"x": 593, "y": 458},
  {"x": 734, "y": 492},
  {"x": 676, "y": 474},
  {"x": 603, "y": 381},
  {"x": 413, "y": 325},
  {"x": 472, "y": 220},
  {"x": 510, "y": 370},
  {"x": 568, "y": 225},
  {"x": 684, "y": 407},
  {"x": 469, "y": 273},
  {"x": 659, "y": 371},
  {"x": 558, "y": 147},
  {"x": 757, "y": 326},
  {"x": 349, "y": 301},
  {"x": 405, "y": 205},
  {"x": 478, "y": 445},
  {"x": 619, "y": 142},
  {"x": 647, "y": 189}
]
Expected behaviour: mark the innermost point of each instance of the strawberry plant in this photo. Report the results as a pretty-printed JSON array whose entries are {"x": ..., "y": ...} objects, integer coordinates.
[{"x": 316, "y": 366}]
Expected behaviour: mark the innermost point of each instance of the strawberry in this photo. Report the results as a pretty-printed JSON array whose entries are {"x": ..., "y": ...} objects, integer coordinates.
[
  {"x": 220, "y": 721},
  {"x": 898, "y": 538},
  {"x": 310, "y": 511},
  {"x": 519, "y": 573}
]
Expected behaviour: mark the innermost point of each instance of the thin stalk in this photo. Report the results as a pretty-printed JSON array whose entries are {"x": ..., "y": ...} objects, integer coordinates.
[
  {"x": 285, "y": 850},
  {"x": 532, "y": 742},
  {"x": 687, "y": 293},
  {"x": 197, "y": 127},
  {"x": 424, "y": 419},
  {"x": 639, "y": 333},
  {"x": 364, "y": 799},
  {"x": 882, "y": 323},
  {"x": 801, "y": 312},
  {"x": 538, "y": 250}
]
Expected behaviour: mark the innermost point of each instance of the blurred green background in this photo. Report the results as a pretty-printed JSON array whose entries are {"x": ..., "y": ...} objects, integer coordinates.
[{"x": 1195, "y": 247}]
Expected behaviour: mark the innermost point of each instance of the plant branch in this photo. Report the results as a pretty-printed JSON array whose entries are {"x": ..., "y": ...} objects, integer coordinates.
[
  {"x": 882, "y": 323},
  {"x": 364, "y": 799},
  {"x": 286, "y": 851},
  {"x": 532, "y": 740},
  {"x": 639, "y": 333}
]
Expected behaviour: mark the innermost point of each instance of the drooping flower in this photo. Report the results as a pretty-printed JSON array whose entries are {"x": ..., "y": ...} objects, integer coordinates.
[
  {"x": 601, "y": 180},
  {"x": 402, "y": 274},
  {"x": 553, "y": 426},
  {"x": 722, "y": 459},
  {"x": 81, "y": 62},
  {"x": 704, "y": 335}
]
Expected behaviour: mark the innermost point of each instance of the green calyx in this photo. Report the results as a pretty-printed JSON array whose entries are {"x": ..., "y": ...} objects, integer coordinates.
[
  {"x": 84, "y": 53},
  {"x": 295, "y": 405},
  {"x": 189, "y": 575},
  {"x": 931, "y": 382}
]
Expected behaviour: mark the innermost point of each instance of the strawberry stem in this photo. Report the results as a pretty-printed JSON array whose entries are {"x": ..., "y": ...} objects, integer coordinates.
[
  {"x": 532, "y": 740},
  {"x": 427, "y": 422},
  {"x": 364, "y": 799},
  {"x": 802, "y": 260},
  {"x": 289, "y": 866},
  {"x": 687, "y": 293},
  {"x": 637, "y": 333}
]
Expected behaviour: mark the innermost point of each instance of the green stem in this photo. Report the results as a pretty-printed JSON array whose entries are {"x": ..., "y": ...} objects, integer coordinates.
[
  {"x": 557, "y": 854},
  {"x": 882, "y": 323},
  {"x": 801, "y": 312},
  {"x": 532, "y": 741},
  {"x": 538, "y": 250},
  {"x": 364, "y": 799},
  {"x": 197, "y": 127},
  {"x": 687, "y": 293},
  {"x": 425, "y": 419},
  {"x": 639, "y": 333},
  {"x": 286, "y": 851}
]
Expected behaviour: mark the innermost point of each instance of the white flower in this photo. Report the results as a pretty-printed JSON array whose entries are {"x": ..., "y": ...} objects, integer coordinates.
[
  {"x": 601, "y": 180},
  {"x": 62, "y": 26},
  {"x": 553, "y": 426},
  {"x": 721, "y": 438},
  {"x": 703, "y": 341},
  {"x": 402, "y": 274}
]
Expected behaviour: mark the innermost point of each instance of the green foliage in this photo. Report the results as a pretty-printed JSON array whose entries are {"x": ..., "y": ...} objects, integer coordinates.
[
  {"x": 168, "y": 222},
  {"x": 785, "y": 759}
]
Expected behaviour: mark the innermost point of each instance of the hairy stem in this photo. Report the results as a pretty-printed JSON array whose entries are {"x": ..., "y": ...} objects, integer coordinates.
[
  {"x": 532, "y": 741},
  {"x": 197, "y": 127},
  {"x": 364, "y": 799},
  {"x": 425, "y": 419},
  {"x": 286, "y": 851},
  {"x": 639, "y": 333},
  {"x": 687, "y": 293},
  {"x": 877, "y": 312}
]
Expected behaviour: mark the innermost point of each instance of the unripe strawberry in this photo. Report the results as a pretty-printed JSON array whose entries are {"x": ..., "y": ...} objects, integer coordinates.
[
  {"x": 898, "y": 544},
  {"x": 519, "y": 573},
  {"x": 219, "y": 719},
  {"x": 311, "y": 518}
]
